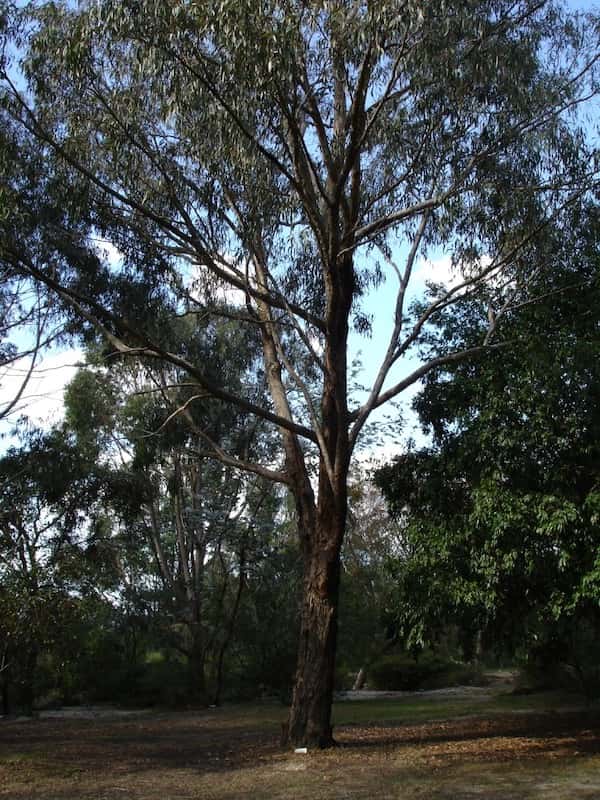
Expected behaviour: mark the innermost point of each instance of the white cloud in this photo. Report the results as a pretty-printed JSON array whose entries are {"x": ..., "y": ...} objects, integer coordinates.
[
  {"x": 437, "y": 270},
  {"x": 42, "y": 399},
  {"x": 441, "y": 270}
]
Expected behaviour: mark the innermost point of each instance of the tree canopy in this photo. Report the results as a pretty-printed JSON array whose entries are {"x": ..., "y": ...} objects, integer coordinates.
[{"x": 500, "y": 512}]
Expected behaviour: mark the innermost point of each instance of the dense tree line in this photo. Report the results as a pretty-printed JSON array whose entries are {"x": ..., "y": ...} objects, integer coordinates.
[{"x": 98, "y": 596}]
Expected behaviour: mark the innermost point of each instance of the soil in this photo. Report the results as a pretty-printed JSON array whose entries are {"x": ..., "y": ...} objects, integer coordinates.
[{"x": 223, "y": 754}]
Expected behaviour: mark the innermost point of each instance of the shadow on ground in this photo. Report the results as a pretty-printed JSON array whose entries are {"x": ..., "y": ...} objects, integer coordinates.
[{"x": 233, "y": 753}]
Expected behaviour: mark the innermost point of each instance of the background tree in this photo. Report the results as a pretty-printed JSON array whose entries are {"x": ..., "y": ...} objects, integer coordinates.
[
  {"x": 202, "y": 520},
  {"x": 28, "y": 319},
  {"x": 263, "y": 652},
  {"x": 500, "y": 512},
  {"x": 295, "y": 153},
  {"x": 373, "y": 539},
  {"x": 44, "y": 484}
]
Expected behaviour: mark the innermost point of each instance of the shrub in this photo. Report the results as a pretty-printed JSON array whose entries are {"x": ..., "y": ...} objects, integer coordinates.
[
  {"x": 163, "y": 682},
  {"x": 403, "y": 672},
  {"x": 566, "y": 658}
]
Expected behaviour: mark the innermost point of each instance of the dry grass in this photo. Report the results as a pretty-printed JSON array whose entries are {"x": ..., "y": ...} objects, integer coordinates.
[{"x": 233, "y": 753}]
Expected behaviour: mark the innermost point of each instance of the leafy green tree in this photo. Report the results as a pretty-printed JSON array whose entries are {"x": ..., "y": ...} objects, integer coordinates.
[
  {"x": 201, "y": 519},
  {"x": 44, "y": 484},
  {"x": 500, "y": 512},
  {"x": 261, "y": 656},
  {"x": 293, "y": 154}
]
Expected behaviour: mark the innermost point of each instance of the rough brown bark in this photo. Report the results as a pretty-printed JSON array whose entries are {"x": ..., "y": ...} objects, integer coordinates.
[{"x": 309, "y": 722}]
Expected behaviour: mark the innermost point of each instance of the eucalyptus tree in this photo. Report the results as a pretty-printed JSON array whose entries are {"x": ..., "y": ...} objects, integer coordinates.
[
  {"x": 296, "y": 154},
  {"x": 28, "y": 321},
  {"x": 202, "y": 521}
]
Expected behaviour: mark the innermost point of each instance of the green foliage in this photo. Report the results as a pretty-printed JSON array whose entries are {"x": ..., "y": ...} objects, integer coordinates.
[
  {"x": 500, "y": 523},
  {"x": 90, "y": 405},
  {"x": 163, "y": 682},
  {"x": 182, "y": 146},
  {"x": 366, "y": 624},
  {"x": 262, "y": 657},
  {"x": 566, "y": 656}
]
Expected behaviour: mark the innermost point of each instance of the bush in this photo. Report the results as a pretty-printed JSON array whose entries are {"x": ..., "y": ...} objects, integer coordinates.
[
  {"x": 566, "y": 658},
  {"x": 163, "y": 682},
  {"x": 344, "y": 677},
  {"x": 403, "y": 672}
]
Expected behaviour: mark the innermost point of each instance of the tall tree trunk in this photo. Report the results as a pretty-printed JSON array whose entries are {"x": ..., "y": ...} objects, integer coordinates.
[{"x": 309, "y": 723}]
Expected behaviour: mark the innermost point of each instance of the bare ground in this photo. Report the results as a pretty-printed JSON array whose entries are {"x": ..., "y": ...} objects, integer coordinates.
[{"x": 233, "y": 753}]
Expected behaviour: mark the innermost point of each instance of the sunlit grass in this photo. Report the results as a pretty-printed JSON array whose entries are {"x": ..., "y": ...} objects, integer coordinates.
[{"x": 407, "y": 710}]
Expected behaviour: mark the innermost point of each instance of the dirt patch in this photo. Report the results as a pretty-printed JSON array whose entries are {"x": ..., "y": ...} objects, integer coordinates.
[{"x": 234, "y": 753}]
